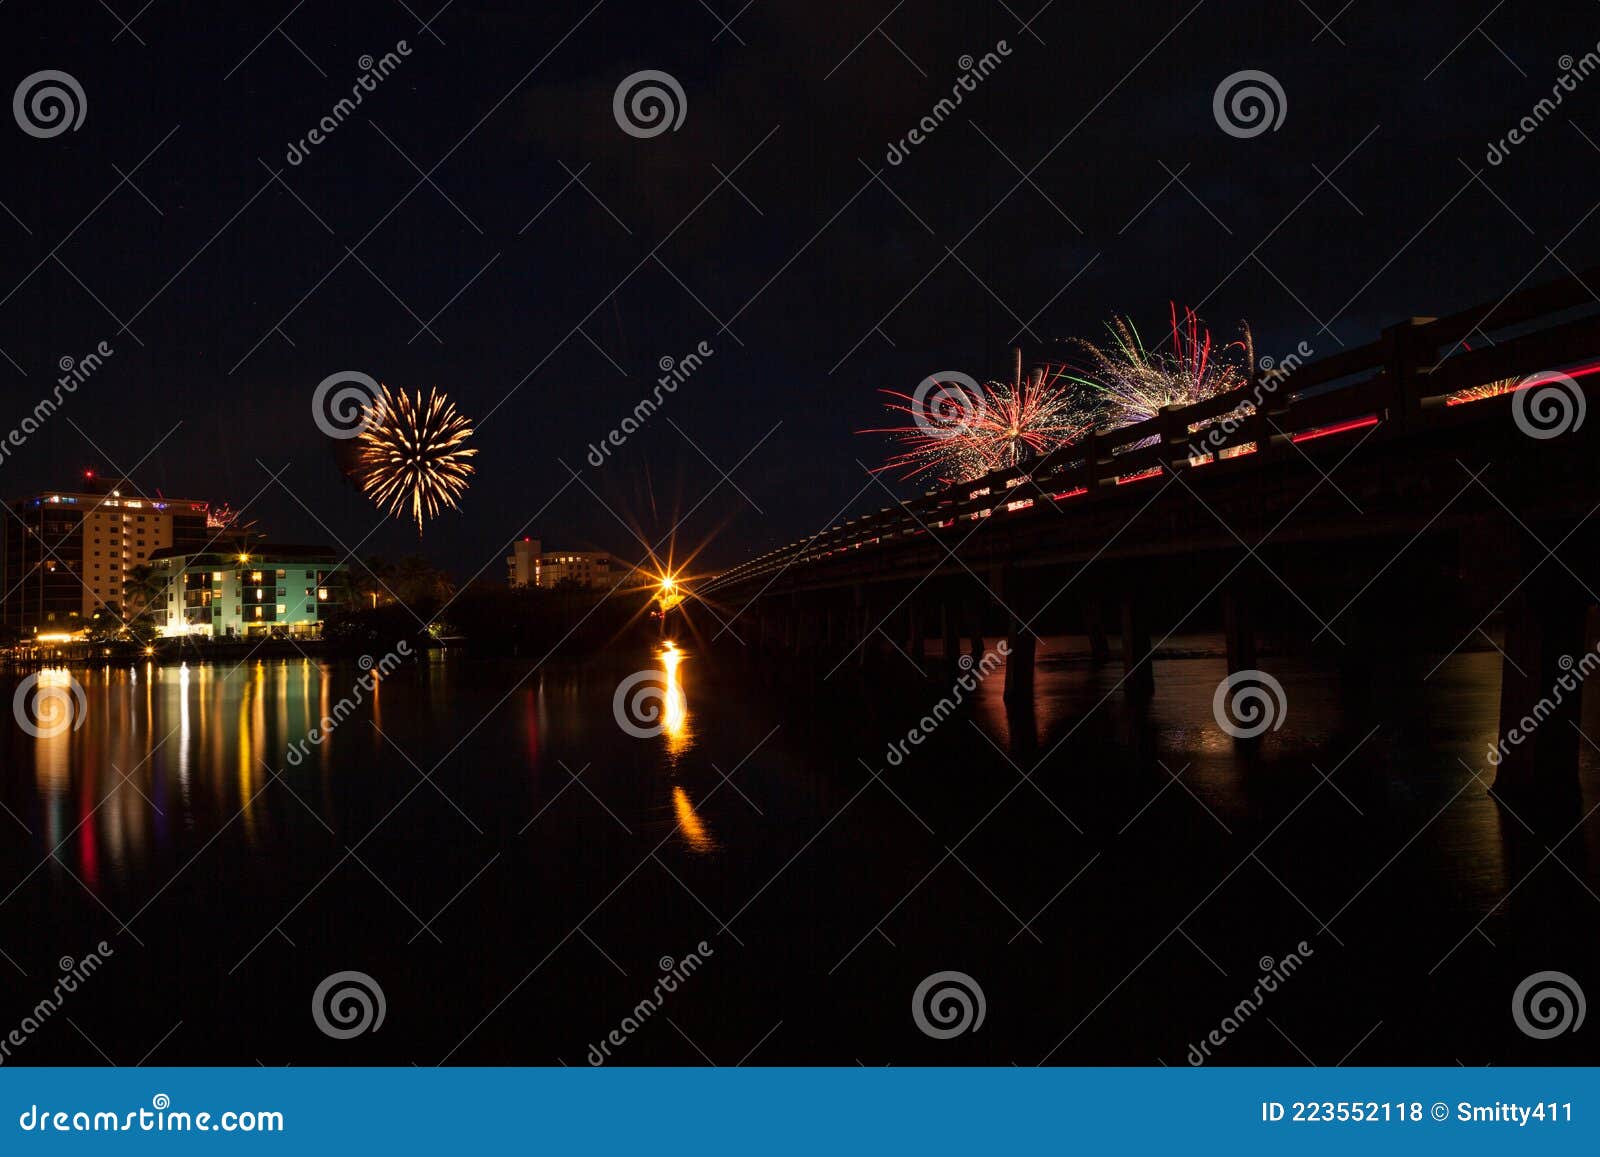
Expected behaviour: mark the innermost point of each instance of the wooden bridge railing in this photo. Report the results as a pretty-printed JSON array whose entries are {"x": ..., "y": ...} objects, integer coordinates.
[{"x": 1399, "y": 382}]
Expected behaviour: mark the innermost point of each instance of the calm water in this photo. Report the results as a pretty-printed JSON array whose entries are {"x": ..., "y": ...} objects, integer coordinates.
[{"x": 512, "y": 868}]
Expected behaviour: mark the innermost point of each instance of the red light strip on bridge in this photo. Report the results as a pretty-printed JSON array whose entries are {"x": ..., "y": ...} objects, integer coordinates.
[
  {"x": 1154, "y": 472},
  {"x": 1070, "y": 494},
  {"x": 1341, "y": 428}
]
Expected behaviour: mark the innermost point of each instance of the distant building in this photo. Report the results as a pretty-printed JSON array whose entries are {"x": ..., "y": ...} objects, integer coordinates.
[
  {"x": 67, "y": 553},
  {"x": 270, "y": 589},
  {"x": 528, "y": 566},
  {"x": 523, "y": 563}
]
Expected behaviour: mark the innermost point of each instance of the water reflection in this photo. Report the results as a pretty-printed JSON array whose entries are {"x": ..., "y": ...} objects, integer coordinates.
[
  {"x": 675, "y": 707},
  {"x": 169, "y": 755},
  {"x": 690, "y": 824}
]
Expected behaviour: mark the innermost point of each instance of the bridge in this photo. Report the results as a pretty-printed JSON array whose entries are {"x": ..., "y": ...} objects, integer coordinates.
[{"x": 1360, "y": 507}]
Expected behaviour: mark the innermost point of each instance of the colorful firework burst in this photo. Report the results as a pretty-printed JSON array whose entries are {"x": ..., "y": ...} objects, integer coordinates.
[
  {"x": 1134, "y": 383},
  {"x": 412, "y": 453},
  {"x": 960, "y": 431}
]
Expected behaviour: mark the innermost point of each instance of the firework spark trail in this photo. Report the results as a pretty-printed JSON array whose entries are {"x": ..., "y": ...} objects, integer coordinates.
[
  {"x": 412, "y": 453},
  {"x": 1481, "y": 393},
  {"x": 958, "y": 434},
  {"x": 1135, "y": 383}
]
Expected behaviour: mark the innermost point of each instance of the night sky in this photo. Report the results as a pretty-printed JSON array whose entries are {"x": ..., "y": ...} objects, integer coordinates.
[{"x": 549, "y": 300}]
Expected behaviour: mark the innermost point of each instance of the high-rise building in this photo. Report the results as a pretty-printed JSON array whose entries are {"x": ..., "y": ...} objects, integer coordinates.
[{"x": 68, "y": 553}]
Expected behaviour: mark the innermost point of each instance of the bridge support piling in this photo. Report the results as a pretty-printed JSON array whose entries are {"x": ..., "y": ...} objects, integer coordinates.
[
  {"x": 950, "y": 632},
  {"x": 914, "y": 636},
  {"x": 1020, "y": 647},
  {"x": 1021, "y": 642},
  {"x": 1138, "y": 677},
  {"x": 1239, "y": 628},
  {"x": 1537, "y": 766},
  {"x": 1094, "y": 625}
]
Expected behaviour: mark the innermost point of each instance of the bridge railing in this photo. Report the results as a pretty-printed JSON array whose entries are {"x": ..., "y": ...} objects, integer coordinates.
[{"x": 1399, "y": 383}]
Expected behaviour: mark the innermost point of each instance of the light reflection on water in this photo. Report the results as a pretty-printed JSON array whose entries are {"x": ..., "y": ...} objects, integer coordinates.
[{"x": 181, "y": 751}]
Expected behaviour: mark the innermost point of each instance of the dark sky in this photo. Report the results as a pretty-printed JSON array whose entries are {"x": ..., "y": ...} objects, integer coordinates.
[{"x": 240, "y": 292}]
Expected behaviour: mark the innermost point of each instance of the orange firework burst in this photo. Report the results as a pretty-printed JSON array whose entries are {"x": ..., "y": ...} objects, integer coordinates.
[
  {"x": 1481, "y": 393},
  {"x": 412, "y": 453}
]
